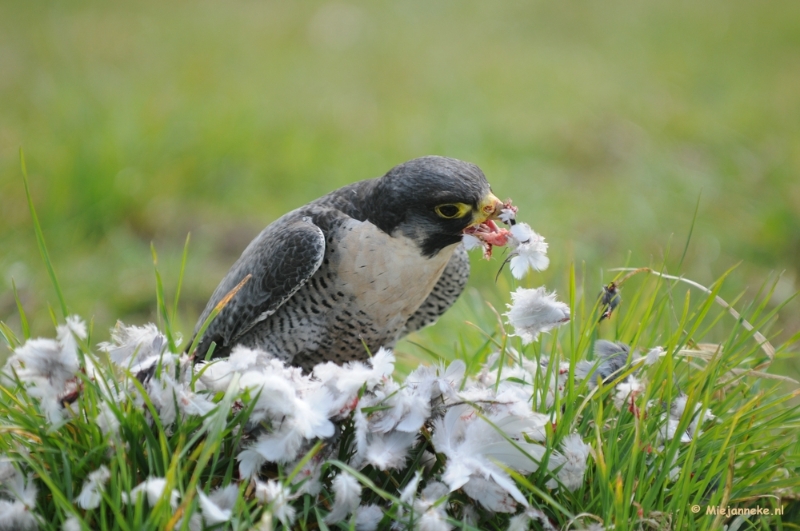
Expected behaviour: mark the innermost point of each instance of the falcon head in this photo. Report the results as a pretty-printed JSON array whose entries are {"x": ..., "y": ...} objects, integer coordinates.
[{"x": 432, "y": 200}]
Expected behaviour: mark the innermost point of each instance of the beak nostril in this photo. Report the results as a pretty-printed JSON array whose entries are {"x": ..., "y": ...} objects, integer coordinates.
[{"x": 489, "y": 208}]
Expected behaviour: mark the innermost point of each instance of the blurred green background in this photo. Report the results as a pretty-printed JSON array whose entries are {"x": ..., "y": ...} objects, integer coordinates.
[{"x": 604, "y": 121}]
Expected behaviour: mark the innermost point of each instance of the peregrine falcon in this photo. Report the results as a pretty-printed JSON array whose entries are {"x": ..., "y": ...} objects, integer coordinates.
[{"x": 356, "y": 269}]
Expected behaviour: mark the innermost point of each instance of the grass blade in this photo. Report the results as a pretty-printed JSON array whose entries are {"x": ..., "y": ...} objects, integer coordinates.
[{"x": 40, "y": 237}]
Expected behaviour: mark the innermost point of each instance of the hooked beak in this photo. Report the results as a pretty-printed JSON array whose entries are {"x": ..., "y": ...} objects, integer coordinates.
[{"x": 489, "y": 208}]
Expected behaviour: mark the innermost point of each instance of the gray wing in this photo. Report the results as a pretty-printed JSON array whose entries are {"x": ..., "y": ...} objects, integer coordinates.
[
  {"x": 281, "y": 259},
  {"x": 444, "y": 293}
]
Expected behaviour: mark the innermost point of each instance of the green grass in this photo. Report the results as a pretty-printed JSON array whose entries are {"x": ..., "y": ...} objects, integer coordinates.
[
  {"x": 608, "y": 124},
  {"x": 745, "y": 455},
  {"x": 605, "y": 122}
]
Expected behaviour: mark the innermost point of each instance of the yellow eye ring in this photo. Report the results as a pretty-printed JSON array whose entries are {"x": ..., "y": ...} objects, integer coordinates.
[{"x": 452, "y": 210}]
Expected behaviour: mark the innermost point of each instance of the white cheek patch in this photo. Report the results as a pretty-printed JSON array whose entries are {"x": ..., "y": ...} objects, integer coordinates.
[{"x": 388, "y": 275}]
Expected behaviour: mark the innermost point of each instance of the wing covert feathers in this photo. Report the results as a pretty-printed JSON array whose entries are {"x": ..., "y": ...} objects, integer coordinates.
[{"x": 281, "y": 259}]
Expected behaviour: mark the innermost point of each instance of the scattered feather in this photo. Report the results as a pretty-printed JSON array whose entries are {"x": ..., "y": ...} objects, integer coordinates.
[
  {"x": 347, "y": 496},
  {"x": 571, "y": 462},
  {"x": 533, "y": 311},
  {"x": 92, "y": 492},
  {"x": 217, "y": 508},
  {"x": 130, "y": 345},
  {"x": 16, "y": 516},
  {"x": 72, "y": 524},
  {"x": 279, "y": 498},
  {"x": 368, "y": 517},
  {"x": 154, "y": 489},
  {"x": 529, "y": 251}
]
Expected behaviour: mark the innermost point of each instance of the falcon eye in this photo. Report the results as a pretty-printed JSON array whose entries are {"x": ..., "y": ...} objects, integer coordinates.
[{"x": 452, "y": 210}]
